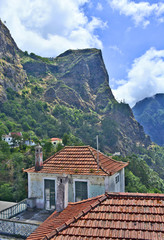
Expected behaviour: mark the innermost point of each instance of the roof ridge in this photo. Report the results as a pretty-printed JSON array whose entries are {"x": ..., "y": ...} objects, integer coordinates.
[
  {"x": 85, "y": 146},
  {"x": 99, "y": 166},
  {"x": 75, "y": 218},
  {"x": 137, "y": 195},
  {"x": 111, "y": 159}
]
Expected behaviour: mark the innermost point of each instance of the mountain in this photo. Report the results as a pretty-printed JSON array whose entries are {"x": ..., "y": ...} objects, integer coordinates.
[
  {"x": 66, "y": 94},
  {"x": 68, "y": 97},
  {"x": 150, "y": 114},
  {"x": 11, "y": 71}
]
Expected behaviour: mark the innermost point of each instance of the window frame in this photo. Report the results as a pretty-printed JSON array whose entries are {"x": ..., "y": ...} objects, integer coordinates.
[
  {"x": 117, "y": 177},
  {"x": 43, "y": 189},
  {"x": 80, "y": 180}
]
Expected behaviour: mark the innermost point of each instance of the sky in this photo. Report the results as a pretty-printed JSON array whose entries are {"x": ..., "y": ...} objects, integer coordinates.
[{"x": 130, "y": 34}]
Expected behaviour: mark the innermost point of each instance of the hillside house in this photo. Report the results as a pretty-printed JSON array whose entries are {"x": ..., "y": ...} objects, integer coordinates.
[
  {"x": 56, "y": 141},
  {"x": 29, "y": 143},
  {"x": 71, "y": 175},
  {"x": 126, "y": 216},
  {"x": 9, "y": 138}
]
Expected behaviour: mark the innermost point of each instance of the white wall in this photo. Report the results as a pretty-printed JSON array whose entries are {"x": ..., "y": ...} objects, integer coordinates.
[
  {"x": 97, "y": 185},
  {"x": 112, "y": 186}
]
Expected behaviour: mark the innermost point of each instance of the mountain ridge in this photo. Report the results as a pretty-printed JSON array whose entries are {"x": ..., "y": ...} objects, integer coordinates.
[
  {"x": 68, "y": 97},
  {"x": 77, "y": 80},
  {"x": 150, "y": 113}
]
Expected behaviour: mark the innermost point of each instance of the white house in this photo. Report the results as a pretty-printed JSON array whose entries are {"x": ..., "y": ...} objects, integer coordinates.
[
  {"x": 56, "y": 141},
  {"x": 9, "y": 138},
  {"x": 73, "y": 174}
]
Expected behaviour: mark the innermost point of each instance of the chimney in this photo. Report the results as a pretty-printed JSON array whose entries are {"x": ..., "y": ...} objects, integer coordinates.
[
  {"x": 62, "y": 193},
  {"x": 38, "y": 158}
]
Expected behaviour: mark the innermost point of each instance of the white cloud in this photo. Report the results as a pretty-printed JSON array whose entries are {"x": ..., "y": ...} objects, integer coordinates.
[
  {"x": 50, "y": 27},
  {"x": 140, "y": 12},
  {"x": 96, "y": 23},
  {"x": 116, "y": 49},
  {"x": 99, "y": 6},
  {"x": 145, "y": 78}
]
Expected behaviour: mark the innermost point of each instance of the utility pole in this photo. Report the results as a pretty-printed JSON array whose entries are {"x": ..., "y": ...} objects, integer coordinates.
[{"x": 97, "y": 140}]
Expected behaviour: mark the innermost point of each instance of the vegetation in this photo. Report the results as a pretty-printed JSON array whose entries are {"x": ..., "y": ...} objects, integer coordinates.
[
  {"x": 150, "y": 113},
  {"x": 13, "y": 181},
  {"x": 67, "y": 97},
  {"x": 140, "y": 175},
  {"x": 38, "y": 121}
]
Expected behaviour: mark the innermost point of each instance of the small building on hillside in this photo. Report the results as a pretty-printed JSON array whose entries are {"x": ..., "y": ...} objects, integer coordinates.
[
  {"x": 29, "y": 143},
  {"x": 56, "y": 141},
  {"x": 11, "y": 136},
  {"x": 71, "y": 175}
]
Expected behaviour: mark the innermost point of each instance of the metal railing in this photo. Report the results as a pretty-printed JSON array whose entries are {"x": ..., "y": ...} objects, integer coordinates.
[
  {"x": 15, "y": 228},
  {"x": 13, "y": 210}
]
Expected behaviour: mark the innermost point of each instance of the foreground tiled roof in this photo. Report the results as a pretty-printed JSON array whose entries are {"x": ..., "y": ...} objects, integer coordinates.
[
  {"x": 80, "y": 160},
  {"x": 110, "y": 216},
  {"x": 56, "y": 220}
]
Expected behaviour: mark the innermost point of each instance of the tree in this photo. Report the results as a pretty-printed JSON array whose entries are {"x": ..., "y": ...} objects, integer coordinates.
[
  {"x": 4, "y": 147},
  {"x": 6, "y": 192}
]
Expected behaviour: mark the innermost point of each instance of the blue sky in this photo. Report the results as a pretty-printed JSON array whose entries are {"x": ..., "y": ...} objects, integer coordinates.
[{"x": 130, "y": 34}]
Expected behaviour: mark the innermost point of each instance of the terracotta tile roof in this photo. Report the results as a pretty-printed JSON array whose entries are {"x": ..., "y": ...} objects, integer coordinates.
[
  {"x": 56, "y": 139},
  {"x": 56, "y": 220},
  {"x": 80, "y": 160},
  {"x": 19, "y": 134},
  {"x": 110, "y": 216}
]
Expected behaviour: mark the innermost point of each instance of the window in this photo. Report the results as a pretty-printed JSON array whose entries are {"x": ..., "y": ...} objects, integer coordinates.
[
  {"x": 49, "y": 192},
  {"x": 117, "y": 179},
  {"x": 81, "y": 190}
]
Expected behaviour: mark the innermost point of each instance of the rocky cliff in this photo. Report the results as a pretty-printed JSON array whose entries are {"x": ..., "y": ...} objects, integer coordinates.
[
  {"x": 150, "y": 113},
  {"x": 11, "y": 71},
  {"x": 77, "y": 80}
]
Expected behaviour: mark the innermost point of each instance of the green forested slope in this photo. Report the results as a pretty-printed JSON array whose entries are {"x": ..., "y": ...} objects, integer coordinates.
[
  {"x": 150, "y": 114},
  {"x": 68, "y": 97}
]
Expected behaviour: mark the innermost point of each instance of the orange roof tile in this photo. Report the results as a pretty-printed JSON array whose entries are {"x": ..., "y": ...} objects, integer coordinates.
[
  {"x": 56, "y": 220},
  {"x": 56, "y": 139},
  {"x": 80, "y": 160},
  {"x": 109, "y": 216}
]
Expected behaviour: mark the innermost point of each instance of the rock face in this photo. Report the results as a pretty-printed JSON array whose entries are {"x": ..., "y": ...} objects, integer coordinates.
[
  {"x": 76, "y": 79},
  {"x": 11, "y": 71},
  {"x": 150, "y": 113}
]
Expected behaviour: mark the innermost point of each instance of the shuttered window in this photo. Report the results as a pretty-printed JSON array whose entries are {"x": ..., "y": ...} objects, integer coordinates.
[{"x": 81, "y": 190}]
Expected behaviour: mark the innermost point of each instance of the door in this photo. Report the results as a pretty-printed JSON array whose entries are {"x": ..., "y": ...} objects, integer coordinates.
[{"x": 49, "y": 193}]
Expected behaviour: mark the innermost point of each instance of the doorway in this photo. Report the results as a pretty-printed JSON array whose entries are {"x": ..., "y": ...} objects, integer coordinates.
[{"x": 49, "y": 193}]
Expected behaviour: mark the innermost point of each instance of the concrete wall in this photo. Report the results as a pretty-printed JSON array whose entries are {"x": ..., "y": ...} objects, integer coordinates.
[
  {"x": 112, "y": 186},
  {"x": 97, "y": 185},
  {"x": 36, "y": 186}
]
